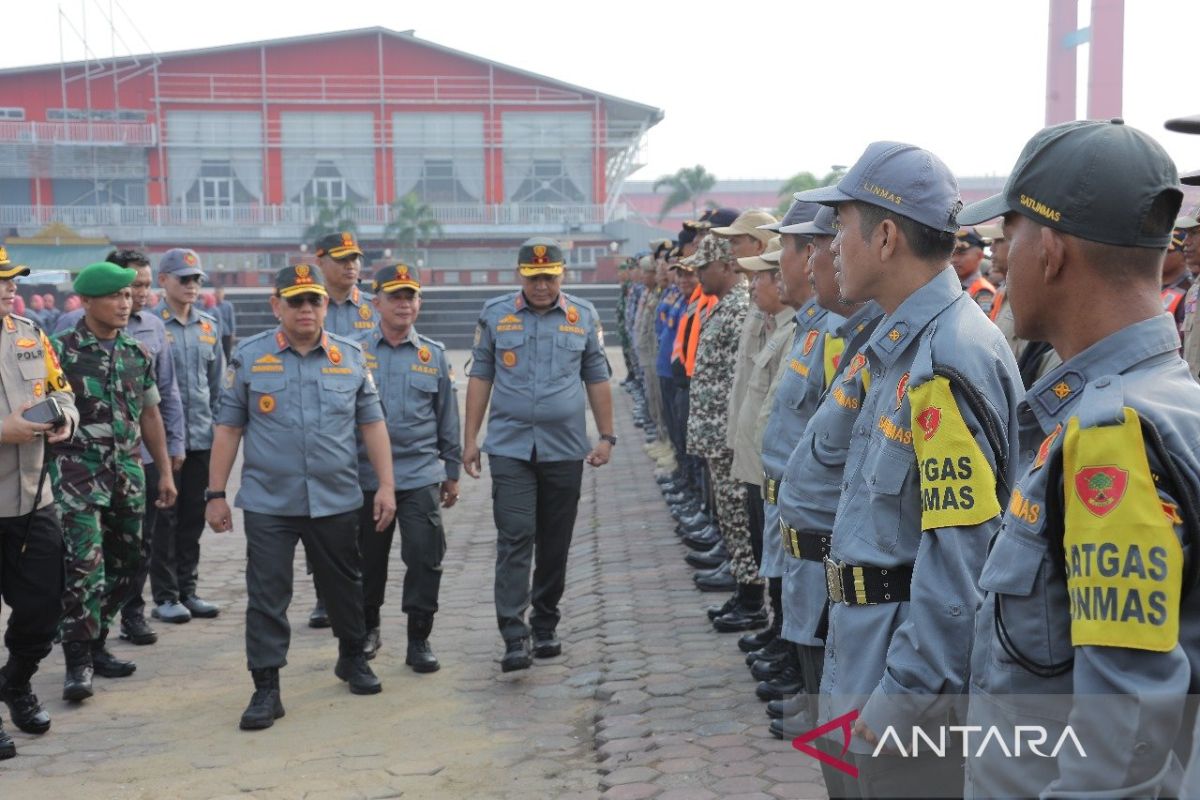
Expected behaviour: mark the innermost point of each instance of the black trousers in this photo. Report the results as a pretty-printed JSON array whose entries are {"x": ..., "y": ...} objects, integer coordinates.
[
  {"x": 534, "y": 504},
  {"x": 676, "y": 433},
  {"x": 332, "y": 547},
  {"x": 175, "y": 544},
  {"x": 135, "y": 606},
  {"x": 32, "y": 579},
  {"x": 422, "y": 547},
  {"x": 757, "y": 517},
  {"x": 227, "y": 345}
]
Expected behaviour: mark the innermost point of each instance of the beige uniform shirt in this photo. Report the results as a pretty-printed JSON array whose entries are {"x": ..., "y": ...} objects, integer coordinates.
[
  {"x": 753, "y": 339},
  {"x": 1191, "y": 331},
  {"x": 29, "y": 372},
  {"x": 1006, "y": 324},
  {"x": 755, "y": 410}
]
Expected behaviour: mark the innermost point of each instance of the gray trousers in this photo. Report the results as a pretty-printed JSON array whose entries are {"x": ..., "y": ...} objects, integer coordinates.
[
  {"x": 332, "y": 547},
  {"x": 422, "y": 547},
  {"x": 534, "y": 504}
]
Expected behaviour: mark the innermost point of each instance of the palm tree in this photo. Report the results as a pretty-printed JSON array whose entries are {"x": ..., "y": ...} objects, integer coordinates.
[
  {"x": 686, "y": 185},
  {"x": 413, "y": 224},
  {"x": 803, "y": 181},
  {"x": 332, "y": 219}
]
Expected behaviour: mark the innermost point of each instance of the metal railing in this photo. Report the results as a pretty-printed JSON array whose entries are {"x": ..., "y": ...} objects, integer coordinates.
[
  {"x": 134, "y": 134},
  {"x": 515, "y": 214}
]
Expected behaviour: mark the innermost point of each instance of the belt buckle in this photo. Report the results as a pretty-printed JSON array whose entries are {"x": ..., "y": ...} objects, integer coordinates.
[{"x": 833, "y": 580}]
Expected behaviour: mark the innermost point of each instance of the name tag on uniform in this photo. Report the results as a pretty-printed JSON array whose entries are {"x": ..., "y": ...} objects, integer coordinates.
[
  {"x": 208, "y": 339},
  {"x": 425, "y": 370},
  {"x": 367, "y": 324},
  {"x": 266, "y": 367},
  {"x": 337, "y": 370},
  {"x": 572, "y": 329}
]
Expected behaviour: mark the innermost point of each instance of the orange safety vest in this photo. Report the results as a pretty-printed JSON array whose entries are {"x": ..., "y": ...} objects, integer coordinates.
[
  {"x": 997, "y": 304},
  {"x": 704, "y": 302},
  {"x": 981, "y": 284},
  {"x": 1171, "y": 298}
]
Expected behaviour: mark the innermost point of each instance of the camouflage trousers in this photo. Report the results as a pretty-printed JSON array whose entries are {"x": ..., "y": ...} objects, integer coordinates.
[
  {"x": 104, "y": 552},
  {"x": 730, "y": 499}
]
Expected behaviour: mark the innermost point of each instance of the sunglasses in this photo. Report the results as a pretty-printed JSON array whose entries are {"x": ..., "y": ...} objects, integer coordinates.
[
  {"x": 186, "y": 279},
  {"x": 299, "y": 300}
]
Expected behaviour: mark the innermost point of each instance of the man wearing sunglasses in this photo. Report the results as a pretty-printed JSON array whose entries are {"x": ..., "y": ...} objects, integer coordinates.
[
  {"x": 195, "y": 339},
  {"x": 349, "y": 313},
  {"x": 297, "y": 395}
]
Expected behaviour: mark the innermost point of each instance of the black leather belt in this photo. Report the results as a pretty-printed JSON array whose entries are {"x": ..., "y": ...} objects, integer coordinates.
[
  {"x": 770, "y": 490},
  {"x": 861, "y": 586},
  {"x": 807, "y": 544}
]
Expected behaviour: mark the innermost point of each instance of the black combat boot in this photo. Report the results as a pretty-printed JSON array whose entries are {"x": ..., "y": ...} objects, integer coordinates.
[
  {"x": 105, "y": 664},
  {"x": 374, "y": 640},
  {"x": 265, "y": 704},
  {"x": 77, "y": 686},
  {"x": 8, "y": 748},
  {"x": 420, "y": 657},
  {"x": 353, "y": 668},
  {"x": 16, "y": 693}
]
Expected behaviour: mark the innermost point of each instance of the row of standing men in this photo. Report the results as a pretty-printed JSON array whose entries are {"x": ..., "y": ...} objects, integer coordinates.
[{"x": 863, "y": 442}]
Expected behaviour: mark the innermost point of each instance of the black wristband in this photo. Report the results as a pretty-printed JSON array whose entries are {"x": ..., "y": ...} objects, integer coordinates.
[
  {"x": 608, "y": 437},
  {"x": 211, "y": 495}
]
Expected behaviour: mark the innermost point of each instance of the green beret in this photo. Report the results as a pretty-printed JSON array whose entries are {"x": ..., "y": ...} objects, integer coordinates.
[{"x": 103, "y": 278}]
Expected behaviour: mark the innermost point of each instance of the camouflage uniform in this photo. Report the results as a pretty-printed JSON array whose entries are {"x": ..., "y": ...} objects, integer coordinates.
[
  {"x": 622, "y": 330},
  {"x": 716, "y": 355},
  {"x": 100, "y": 486}
]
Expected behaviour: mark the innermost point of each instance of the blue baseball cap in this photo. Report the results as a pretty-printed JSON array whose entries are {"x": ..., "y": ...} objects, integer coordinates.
[
  {"x": 820, "y": 225},
  {"x": 900, "y": 177},
  {"x": 797, "y": 213}
]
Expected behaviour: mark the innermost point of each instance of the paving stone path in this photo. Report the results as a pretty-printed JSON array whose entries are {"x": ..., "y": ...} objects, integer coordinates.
[{"x": 647, "y": 701}]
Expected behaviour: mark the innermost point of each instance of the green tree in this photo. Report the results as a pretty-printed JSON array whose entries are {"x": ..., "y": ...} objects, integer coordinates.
[
  {"x": 803, "y": 181},
  {"x": 686, "y": 185},
  {"x": 413, "y": 224},
  {"x": 332, "y": 219}
]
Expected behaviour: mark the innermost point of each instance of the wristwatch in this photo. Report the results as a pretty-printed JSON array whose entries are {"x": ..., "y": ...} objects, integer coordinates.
[
  {"x": 608, "y": 437},
  {"x": 211, "y": 495}
]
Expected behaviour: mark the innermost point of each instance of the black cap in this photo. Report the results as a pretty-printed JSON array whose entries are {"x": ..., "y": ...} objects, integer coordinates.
[
  {"x": 338, "y": 245},
  {"x": 970, "y": 238},
  {"x": 1092, "y": 179},
  {"x": 540, "y": 256},
  {"x": 396, "y": 277},
  {"x": 722, "y": 217},
  {"x": 300, "y": 279},
  {"x": 687, "y": 235}
]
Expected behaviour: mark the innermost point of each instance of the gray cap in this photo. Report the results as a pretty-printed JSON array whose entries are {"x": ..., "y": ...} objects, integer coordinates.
[
  {"x": 1090, "y": 178},
  {"x": 900, "y": 177},
  {"x": 180, "y": 262},
  {"x": 797, "y": 212},
  {"x": 820, "y": 225}
]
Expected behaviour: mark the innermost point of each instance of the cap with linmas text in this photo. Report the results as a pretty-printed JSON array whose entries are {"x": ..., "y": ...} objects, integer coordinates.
[
  {"x": 337, "y": 245},
  {"x": 1093, "y": 179},
  {"x": 300, "y": 279},
  {"x": 9, "y": 270},
  {"x": 103, "y": 278},
  {"x": 902, "y": 178},
  {"x": 396, "y": 277},
  {"x": 540, "y": 256}
]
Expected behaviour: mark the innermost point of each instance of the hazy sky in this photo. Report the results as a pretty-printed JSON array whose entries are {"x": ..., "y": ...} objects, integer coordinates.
[{"x": 750, "y": 91}]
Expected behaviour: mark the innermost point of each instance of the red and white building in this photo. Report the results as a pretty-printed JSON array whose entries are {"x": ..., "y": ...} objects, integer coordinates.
[{"x": 232, "y": 151}]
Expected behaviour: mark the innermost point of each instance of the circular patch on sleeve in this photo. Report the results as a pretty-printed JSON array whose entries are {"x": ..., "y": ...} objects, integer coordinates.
[
  {"x": 509, "y": 358},
  {"x": 266, "y": 404}
]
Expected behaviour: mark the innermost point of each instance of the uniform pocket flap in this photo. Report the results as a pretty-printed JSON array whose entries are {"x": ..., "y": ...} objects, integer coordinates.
[
  {"x": 338, "y": 384},
  {"x": 424, "y": 383},
  {"x": 571, "y": 342},
  {"x": 890, "y": 471},
  {"x": 1012, "y": 565},
  {"x": 267, "y": 384},
  {"x": 509, "y": 341}
]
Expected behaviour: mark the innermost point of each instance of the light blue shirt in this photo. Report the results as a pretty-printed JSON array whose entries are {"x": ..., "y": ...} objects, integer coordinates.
[
  {"x": 416, "y": 388},
  {"x": 299, "y": 416},
  {"x": 199, "y": 362},
  {"x": 918, "y": 650},
  {"x": 537, "y": 364},
  {"x": 355, "y": 318},
  {"x": 1132, "y": 712}
]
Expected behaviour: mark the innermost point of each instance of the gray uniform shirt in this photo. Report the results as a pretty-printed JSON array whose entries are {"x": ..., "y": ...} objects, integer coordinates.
[
  {"x": 299, "y": 416},
  {"x": 148, "y": 329},
  {"x": 355, "y": 319},
  {"x": 916, "y": 651},
  {"x": 416, "y": 388},
  {"x": 811, "y": 488},
  {"x": 1131, "y": 710},
  {"x": 199, "y": 362},
  {"x": 798, "y": 391},
  {"x": 537, "y": 364}
]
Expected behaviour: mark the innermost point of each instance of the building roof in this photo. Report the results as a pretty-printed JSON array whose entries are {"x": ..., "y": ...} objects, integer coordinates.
[{"x": 655, "y": 114}]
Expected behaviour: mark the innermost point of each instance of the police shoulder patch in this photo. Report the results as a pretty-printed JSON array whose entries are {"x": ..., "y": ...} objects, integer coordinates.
[
  {"x": 958, "y": 486},
  {"x": 1124, "y": 561}
]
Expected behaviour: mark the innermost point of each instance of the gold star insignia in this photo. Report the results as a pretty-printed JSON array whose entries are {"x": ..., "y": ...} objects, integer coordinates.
[{"x": 894, "y": 335}]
